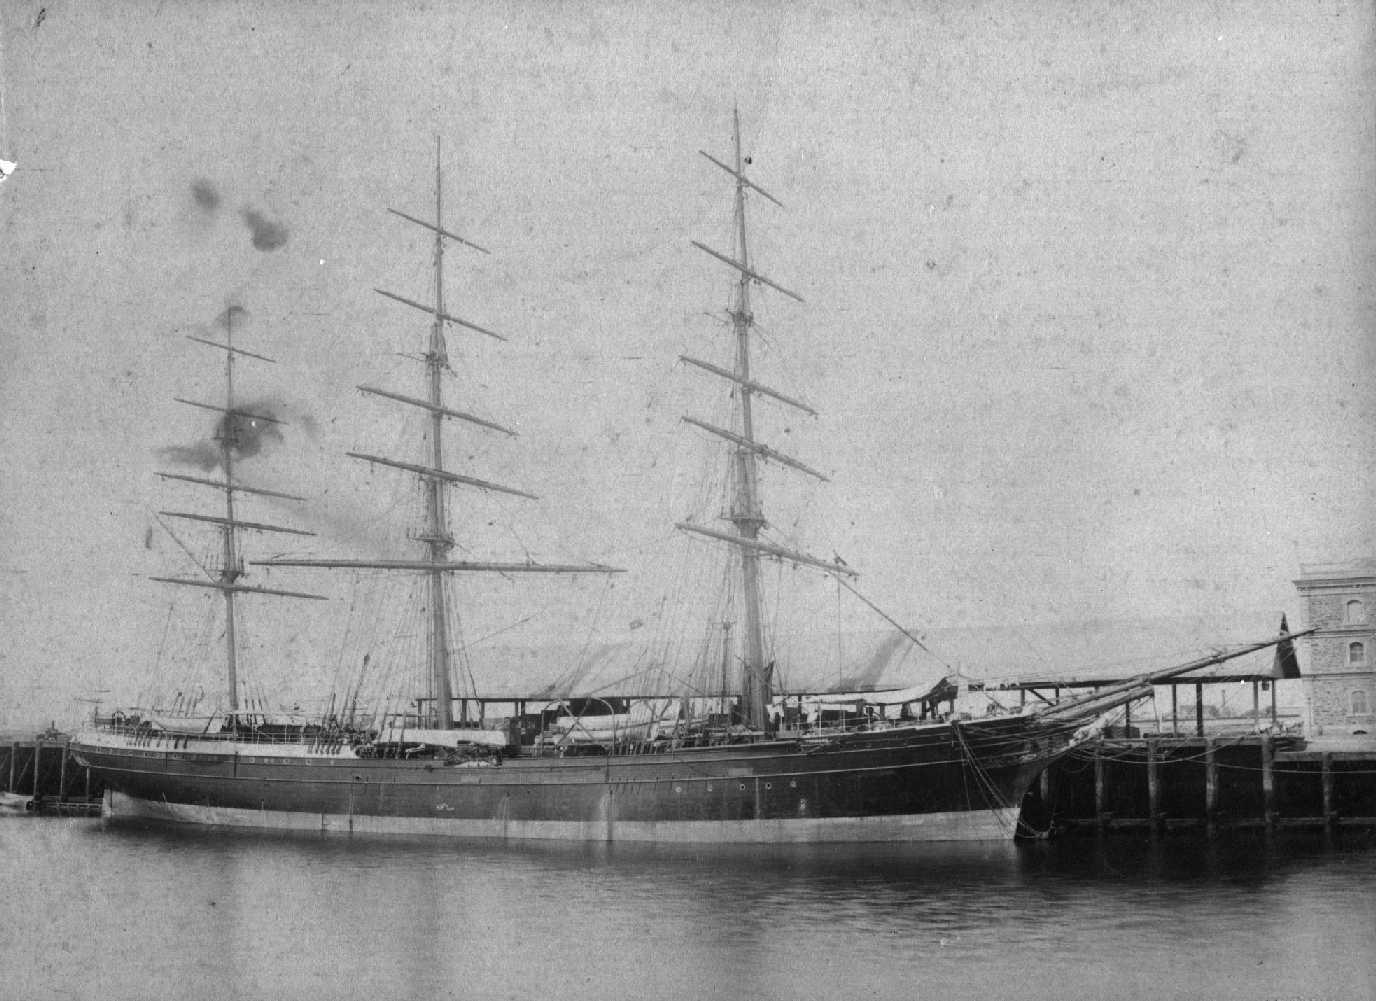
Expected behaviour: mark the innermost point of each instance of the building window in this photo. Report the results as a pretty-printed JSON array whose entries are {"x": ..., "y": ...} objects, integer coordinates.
[
  {"x": 1360, "y": 706},
  {"x": 1354, "y": 613},
  {"x": 1356, "y": 653}
]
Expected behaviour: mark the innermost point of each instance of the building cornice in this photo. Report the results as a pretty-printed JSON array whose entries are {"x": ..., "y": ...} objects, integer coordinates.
[{"x": 1354, "y": 583}]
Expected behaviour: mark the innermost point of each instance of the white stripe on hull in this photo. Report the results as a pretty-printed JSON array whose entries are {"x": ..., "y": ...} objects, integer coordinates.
[{"x": 965, "y": 825}]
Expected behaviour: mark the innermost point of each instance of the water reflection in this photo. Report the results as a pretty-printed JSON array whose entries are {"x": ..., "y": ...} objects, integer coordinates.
[{"x": 252, "y": 915}]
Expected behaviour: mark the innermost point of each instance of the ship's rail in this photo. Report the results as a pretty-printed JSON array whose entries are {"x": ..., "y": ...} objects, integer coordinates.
[
  {"x": 367, "y": 742},
  {"x": 133, "y": 725}
]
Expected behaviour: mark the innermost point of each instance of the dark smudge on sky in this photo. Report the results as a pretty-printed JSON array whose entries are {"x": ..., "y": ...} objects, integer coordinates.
[
  {"x": 247, "y": 430},
  {"x": 205, "y": 194},
  {"x": 250, "y": 429},
  {"x": 233, "y": 314},
  {"x": 267, "y": 235},
  {"x": 203, "y": 455}
]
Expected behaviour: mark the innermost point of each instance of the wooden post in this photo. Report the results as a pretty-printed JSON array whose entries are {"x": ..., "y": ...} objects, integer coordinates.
[
  {"x": 1153, "y": 785},
  {"x": 62, "y": 774},
  {"x": 1199, "y": 708},
  {"x": 37, "y": 747},
  {"x": 1268, "y": 779},
  {"x": 1127, "y": 720},
  {"x": 1100, "y": 788},
  {"x": 1256, "y": 703},
  {"x": 1175, "y": 710},
  {"x": 1328, "y": 815},
  {"x": 1210, "y": 782},
  {"x": 14, "y": 758},
  {"x": 1275, "y": 718}
]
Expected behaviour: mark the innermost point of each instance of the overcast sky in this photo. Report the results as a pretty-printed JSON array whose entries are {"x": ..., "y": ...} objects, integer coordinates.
[{"x": 1088, "y": 318}]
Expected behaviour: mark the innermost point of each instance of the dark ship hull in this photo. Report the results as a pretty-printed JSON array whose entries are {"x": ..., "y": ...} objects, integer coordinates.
[{"x": 935, "y": 782}]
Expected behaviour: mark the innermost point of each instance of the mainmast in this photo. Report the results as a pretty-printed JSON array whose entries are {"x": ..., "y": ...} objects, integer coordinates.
[
  {"x": 746, "y": 512},
  {"x": 232, "y": 425},
  {"x": 438, "y": 539},
  {"x": 436, "y": 564}
]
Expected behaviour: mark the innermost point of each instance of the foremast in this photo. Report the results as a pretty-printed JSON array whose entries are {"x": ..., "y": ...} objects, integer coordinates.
[
  {"x": 437, "y": 566},
  {"x": 746, "y": 512},
  {"x": 234, "y": 422}
]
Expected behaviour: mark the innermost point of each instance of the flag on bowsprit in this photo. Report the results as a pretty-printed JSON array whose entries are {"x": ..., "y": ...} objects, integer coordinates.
[{"x": 1286, "y": 665}]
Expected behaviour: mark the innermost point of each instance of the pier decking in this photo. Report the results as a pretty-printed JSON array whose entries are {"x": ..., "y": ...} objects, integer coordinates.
[
  {"x": 42, "y": 768},
  {"x": 1166, "y": 782}
]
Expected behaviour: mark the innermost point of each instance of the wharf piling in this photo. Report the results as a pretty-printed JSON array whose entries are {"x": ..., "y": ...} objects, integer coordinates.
[
  {"x": 1165, "y": 782},
  {"x": 43, "y": 769}
]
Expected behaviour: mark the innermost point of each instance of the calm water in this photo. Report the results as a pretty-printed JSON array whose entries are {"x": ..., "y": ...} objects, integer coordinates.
[{"x": 91, "y": 911}]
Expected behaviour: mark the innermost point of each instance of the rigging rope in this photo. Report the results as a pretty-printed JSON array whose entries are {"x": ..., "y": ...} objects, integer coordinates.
[
  {"x": 893, "y": 622},
  {"x": 992, "y": 795}
]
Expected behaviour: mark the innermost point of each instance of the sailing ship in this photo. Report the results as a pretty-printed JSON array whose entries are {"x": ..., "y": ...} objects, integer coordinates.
[{"x": 757, "y": 764}]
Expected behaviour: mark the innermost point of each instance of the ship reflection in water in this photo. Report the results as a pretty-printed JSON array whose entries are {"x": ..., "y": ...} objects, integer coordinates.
[{"x": 294, "y": 916}]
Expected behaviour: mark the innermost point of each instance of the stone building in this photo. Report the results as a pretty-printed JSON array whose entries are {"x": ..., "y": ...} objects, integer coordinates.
[{"x": 1340, "y": 678}]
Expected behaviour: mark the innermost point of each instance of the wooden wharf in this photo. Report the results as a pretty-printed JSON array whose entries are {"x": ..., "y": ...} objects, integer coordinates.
[
  {"x": 1165, "y": 782},
  {"x": 42, "y": 768}
]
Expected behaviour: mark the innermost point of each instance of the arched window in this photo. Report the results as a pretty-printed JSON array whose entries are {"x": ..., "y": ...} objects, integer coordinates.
[
  {"x": 1356, "y": 653},
  {"x": 1360, "y": 706},
  {"x": 1354, "y": 612}
]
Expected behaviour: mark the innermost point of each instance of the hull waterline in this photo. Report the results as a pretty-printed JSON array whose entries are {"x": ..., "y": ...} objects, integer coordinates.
[{"x": 934, "y": 783}]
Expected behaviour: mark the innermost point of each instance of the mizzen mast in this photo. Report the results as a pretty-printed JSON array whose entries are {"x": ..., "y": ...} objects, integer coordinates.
[
  {"x": 746, "y": 512},
  {"x": 436, "y": 536}
]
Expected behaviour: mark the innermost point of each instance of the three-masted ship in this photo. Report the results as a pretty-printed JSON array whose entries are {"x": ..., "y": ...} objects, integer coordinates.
[{"x": 748, "y": 771}]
